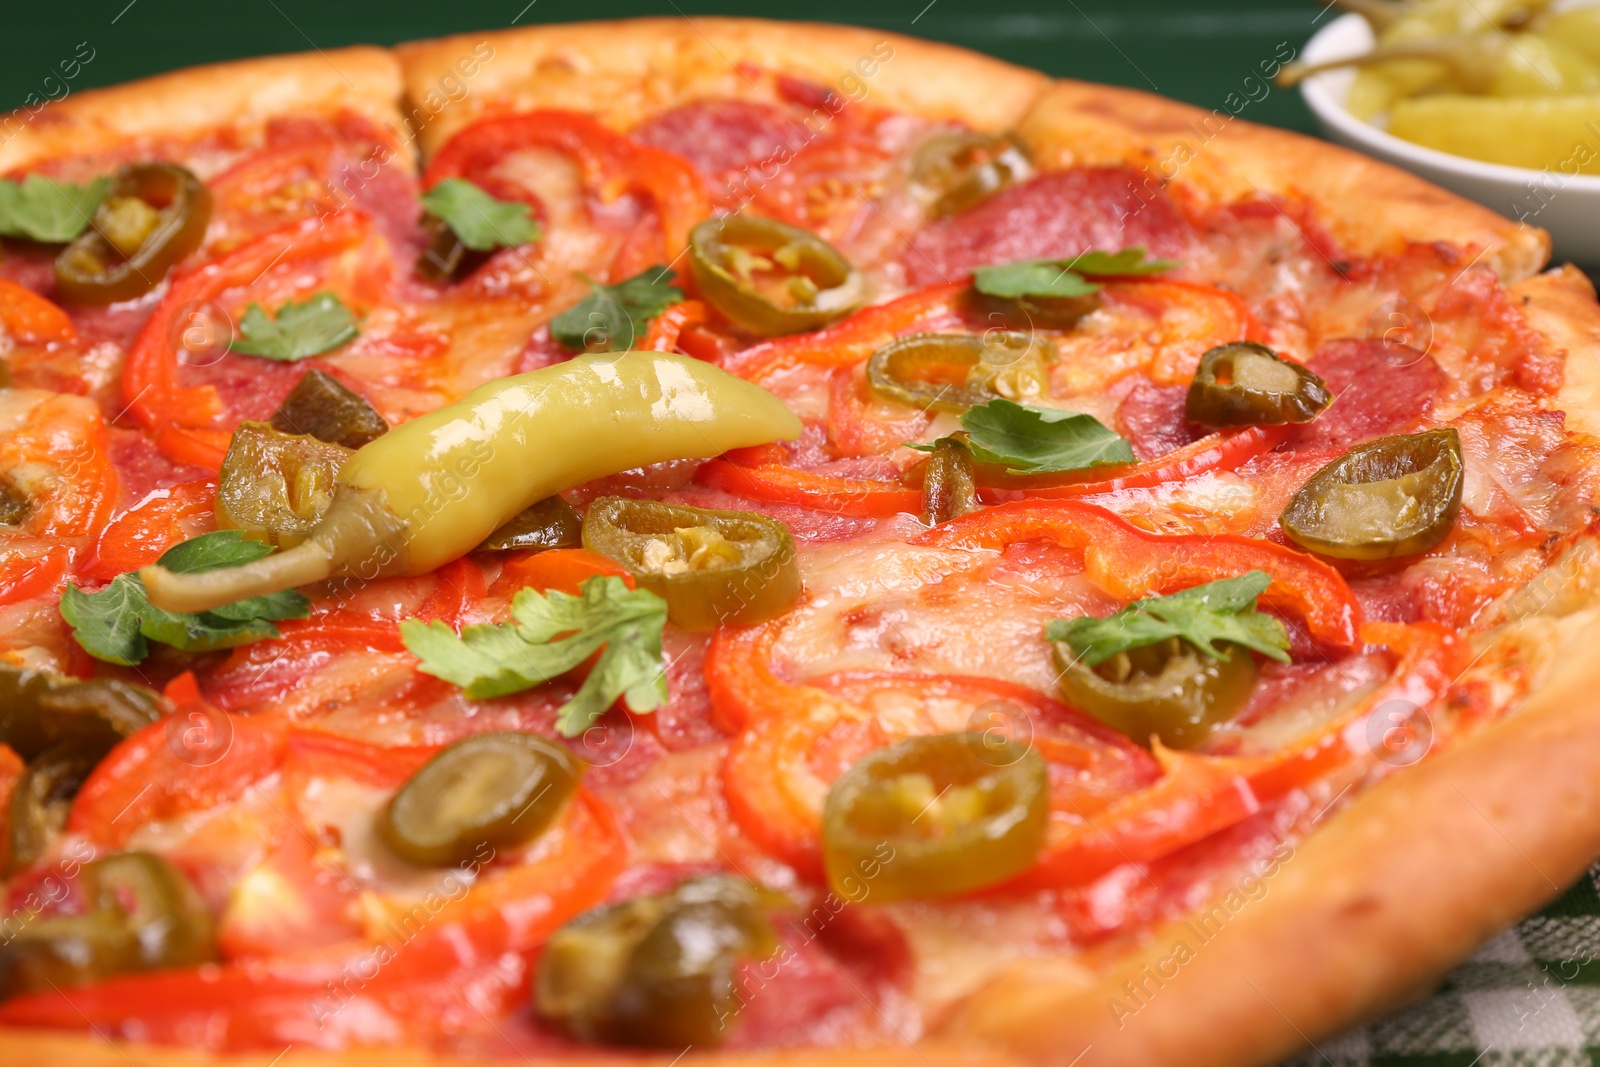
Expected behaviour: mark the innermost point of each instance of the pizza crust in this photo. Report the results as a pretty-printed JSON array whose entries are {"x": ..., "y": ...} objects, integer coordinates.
[
  {"x": 624, "y": 71},
  {"x": 1369, "y": 208},
  {"x": 241, "y": 96},
  {"x": 1560, "y": 304},
  {"x": 1371, "y": 907}
]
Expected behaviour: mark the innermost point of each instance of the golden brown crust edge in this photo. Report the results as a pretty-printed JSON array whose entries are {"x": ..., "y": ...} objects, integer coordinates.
[
  {"x": 625, "y": 70},
  {"x": 242, "y": 95},
  {"x": 1368, "y": 207}
]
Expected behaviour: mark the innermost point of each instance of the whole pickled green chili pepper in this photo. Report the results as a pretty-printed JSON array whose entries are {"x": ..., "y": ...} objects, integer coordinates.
[
  {"x": 153, "y": 216},
  {"x": 430, "y": 490},
  {"x": 711, "y": 567},
  {"x": 1243, "y": 383}
]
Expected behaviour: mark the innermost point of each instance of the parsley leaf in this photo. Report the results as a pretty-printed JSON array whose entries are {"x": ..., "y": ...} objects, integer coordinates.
[
  {"x": 117, "y": 623},
  {"x": 478, "y": 220},
  {"x": 1216, "y": 611},
  {"x": 1031, "y": 440},
  {"x": 612, "y": 317},
  {"x": 315, "y": 325},
  {"x": 47, "y": 210},
  {"x": 1064, "y": 277},
  {"x": 552, "y": 633}
]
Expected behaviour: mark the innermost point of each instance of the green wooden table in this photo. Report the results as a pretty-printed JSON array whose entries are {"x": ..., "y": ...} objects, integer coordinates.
[
  {"x": 1530, "y": 997},
  {"x": 1194, "y": 52}
]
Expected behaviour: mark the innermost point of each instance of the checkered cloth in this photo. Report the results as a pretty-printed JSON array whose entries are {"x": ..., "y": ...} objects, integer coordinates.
[{"x": 1529, "y": 998}]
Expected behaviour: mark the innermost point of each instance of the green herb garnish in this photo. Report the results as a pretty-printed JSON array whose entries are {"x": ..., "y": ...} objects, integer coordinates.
[
  {"x": 552, "y": 633},
  {"x": 117, "y": 623},
  {"x": 1064, "y": 277},
  {"x": 1216, "y": 611},
  {"x": 478, "y": 220},
  {"x": 47, "y": 210},
  {"x": 1029, "y": 440},
  {"x": 299, "y": 331},
  {"x": 612, "y": 317}
]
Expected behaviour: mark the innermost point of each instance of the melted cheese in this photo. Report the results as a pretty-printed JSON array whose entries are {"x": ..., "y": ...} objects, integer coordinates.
[{"x": 880, "y": 604}]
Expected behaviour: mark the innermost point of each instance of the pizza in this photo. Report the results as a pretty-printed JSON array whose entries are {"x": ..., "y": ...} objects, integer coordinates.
[{"x": 766, "y": 543}]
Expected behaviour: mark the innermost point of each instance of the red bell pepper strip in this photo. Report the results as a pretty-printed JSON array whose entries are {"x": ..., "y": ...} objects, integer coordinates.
[
  {"x": 64, "y": 440},
  {"x": 410, "y": 979},
  {"x": 1132, "y": 563},
  {"x": 772, "y": 792},
  {"x": 771, "y": 778},
  {"x": 1429, "y": 656},
  {"x": 183, "y": 417},
  {"x": 1195, "y": 797},
  {"x": 26, "y": 572},
  {"x": 311, "y": 754},
  {"x": 832, "y": 493},
  {"x": 31, "y": 319},
  {"x": 273, "y": 187},
  {"x": 182, "y": 689},
  {"x": 853, "y": 339},
  {"x": 611, "y": 164},
  {"x": 193, "y": 446},
  {"x": 564, "y": 569},
  {"x": 458, "y": 586},
  {"x": 666, "y": 327},
  {"x": 194, "y": 759},
  {"x": 142, "y": 533}
]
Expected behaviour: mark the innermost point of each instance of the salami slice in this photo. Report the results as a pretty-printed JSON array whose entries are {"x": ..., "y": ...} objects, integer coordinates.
[
  {"x": 1379, "y": 389},
  {"x": 1061, "y": 213}
]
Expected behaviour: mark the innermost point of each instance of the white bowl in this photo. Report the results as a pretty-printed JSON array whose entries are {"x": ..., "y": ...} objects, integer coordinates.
[{"x": 1566, "y": 205}]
